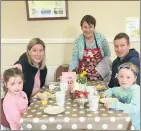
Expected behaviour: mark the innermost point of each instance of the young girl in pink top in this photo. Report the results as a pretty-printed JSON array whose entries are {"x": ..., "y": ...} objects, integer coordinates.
[{"x": 15, "y": 102}]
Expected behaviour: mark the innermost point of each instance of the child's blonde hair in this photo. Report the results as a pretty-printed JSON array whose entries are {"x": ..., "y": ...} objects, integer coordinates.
[
  {"x": 131, "y": 66},
  {"x": 11, "y": 72},
  {"x": 31, "y": 43}
]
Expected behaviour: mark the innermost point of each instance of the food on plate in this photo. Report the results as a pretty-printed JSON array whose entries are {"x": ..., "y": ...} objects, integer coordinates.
[
  {"x": 99, "y": 86},
  {"x": 38, "y": 95},
  {"x": 50, "y": 95},
  {"x": 44, "y": 94}
]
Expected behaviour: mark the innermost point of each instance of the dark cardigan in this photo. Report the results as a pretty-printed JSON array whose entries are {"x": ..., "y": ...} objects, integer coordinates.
[{"x": 29, "y": 74}]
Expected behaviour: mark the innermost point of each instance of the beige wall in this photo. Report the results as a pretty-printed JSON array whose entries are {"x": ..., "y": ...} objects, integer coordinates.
[{"x": 14, "y": 25}]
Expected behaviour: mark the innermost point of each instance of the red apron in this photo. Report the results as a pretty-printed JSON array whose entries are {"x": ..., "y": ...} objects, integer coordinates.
[{"x": 90, "y": 59}]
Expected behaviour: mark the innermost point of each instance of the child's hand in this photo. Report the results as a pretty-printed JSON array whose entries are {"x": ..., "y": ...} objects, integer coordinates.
[
  {"x": 107, "y": 105},
  {"x": 103, "y": 95}
]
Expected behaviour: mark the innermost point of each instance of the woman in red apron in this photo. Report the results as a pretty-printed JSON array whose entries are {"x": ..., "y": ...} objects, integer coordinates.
[
  {"x": 89, "y": 49},
  {"x": 90, "y": 59}
]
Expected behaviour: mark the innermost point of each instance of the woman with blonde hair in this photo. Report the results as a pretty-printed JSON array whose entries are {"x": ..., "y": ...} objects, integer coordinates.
[{"x": 32, "y": 64}]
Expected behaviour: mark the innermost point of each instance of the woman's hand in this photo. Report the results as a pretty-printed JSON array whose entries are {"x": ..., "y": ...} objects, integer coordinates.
[{"x": 18, "y": 66}]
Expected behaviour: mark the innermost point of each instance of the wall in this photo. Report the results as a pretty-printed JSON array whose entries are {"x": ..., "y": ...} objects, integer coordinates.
[{"x": 59, "y": 34}]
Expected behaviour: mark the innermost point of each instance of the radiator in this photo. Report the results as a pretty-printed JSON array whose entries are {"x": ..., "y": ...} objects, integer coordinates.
[{"x": 51, "y": 73}]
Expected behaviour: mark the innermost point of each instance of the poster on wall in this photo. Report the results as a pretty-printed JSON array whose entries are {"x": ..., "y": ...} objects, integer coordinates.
[
  {"x": 133, "y": 28},
  {"x": 47, "y": 10}
]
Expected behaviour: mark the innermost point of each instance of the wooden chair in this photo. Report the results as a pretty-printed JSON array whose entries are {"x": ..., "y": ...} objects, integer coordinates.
[{"x": 4, "y": 122}]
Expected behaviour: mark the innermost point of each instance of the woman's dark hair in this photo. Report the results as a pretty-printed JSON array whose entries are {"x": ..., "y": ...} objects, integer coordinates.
[
  {"x": 89, "y": 19},
  {"x": 122, "y": 35}
]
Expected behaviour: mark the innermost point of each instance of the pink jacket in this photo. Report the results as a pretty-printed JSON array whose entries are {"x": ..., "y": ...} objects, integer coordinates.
[{"x": 14, "y": 107}]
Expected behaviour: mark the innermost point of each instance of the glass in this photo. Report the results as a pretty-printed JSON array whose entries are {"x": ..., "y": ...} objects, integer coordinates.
[
  {"x": 44, "y": 99},
  {"x": 63, "y": 87},
  {"x": 91, "y": 89},
  {"x": 98, "y": 97},
  {"x": 93, "y": 102},
  {"x": 97, "y": 93},
  {"x": 60, "y": 98}
]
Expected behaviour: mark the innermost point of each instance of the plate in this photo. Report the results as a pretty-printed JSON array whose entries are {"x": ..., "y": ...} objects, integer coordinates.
[
  {"x": 53, "y": 83},
  {"x": 98, "y": 85},
  {"x": 38, "y": 95},
  {"x": 45, "y": 93},
  {"x": 49, "y": 94},
  {"x": 108, "y": 100},
  {"x": 54, "y": 110}
]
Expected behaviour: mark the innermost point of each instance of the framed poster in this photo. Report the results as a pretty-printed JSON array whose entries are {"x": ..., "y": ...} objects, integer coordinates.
[{"x": 47, "y": 10}]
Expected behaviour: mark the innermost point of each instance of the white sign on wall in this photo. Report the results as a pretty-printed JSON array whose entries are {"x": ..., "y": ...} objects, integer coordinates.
[{"x": 133, "y": 28}]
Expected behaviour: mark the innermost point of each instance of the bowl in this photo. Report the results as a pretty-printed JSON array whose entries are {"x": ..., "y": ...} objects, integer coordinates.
[{"x": 81, "y": 101}]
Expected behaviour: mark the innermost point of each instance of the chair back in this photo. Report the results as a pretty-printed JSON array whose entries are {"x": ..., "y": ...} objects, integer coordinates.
[{"x": 4, "y": 122}]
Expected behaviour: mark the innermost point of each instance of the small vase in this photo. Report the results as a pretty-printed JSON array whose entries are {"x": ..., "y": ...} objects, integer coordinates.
[{"x": 81, "y": 101}]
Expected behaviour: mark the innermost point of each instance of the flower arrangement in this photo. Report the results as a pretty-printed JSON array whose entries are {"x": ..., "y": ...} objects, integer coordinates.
[
  {"x": 79, "y": 90},
  {"x": 82, "y": 79},
  {"x": 79, "y": 94}
]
